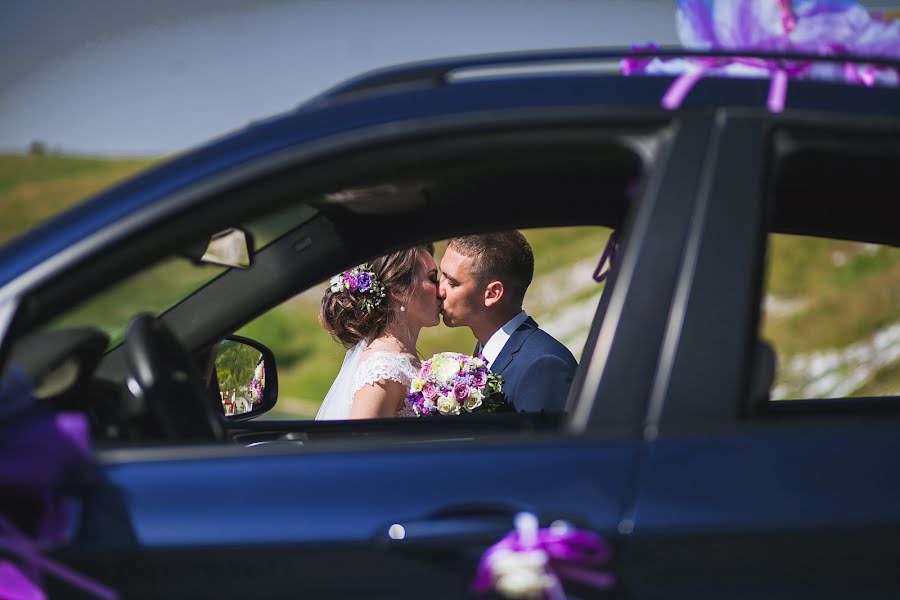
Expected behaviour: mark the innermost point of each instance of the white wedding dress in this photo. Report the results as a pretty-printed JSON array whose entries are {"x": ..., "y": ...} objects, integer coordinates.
[{"x": 356, "y": 373}]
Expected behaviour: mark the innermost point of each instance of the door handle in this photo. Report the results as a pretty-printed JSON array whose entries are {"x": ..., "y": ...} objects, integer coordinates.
[
  {"x": 446, "y": 531},
  {"x": 453, "y": 527}
]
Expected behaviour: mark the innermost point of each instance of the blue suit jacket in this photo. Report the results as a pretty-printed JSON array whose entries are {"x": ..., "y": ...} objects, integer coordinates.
[{"x": 537, "y": 370}]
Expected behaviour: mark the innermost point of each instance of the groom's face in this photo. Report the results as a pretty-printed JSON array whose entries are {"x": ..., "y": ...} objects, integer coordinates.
[{"x": 461, "y": 294}]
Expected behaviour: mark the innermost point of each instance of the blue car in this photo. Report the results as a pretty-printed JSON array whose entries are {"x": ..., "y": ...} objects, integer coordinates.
[{"x": 674, "y": 446}]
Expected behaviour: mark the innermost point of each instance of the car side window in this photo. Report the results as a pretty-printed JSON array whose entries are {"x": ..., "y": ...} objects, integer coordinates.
[
  {"x": 562, "y": 299},
  {"x": 831, "y": 311}
]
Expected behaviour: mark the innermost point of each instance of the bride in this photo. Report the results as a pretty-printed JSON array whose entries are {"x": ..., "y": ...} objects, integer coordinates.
[{"x": 376, "y": 311}]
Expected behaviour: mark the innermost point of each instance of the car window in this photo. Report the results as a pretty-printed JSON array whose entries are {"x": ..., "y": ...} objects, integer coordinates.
[
  {"x": 831, "y": 312},
  {"x": 562, "y": 298}
]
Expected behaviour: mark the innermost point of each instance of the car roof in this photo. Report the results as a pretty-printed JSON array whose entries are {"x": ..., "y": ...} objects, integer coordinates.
[{"x": 435, "y": 91}]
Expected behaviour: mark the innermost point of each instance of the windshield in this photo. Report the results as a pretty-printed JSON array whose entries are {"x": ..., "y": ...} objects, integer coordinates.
[{"x": 161, "y": 286}]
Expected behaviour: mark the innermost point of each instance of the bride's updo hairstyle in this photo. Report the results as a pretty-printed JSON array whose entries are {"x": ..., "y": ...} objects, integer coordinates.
[{"x": 351, "y": 315}]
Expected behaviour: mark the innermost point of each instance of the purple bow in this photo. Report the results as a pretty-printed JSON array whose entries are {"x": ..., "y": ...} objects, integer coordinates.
[
  {"x": 531, "y": 563},
  {"x": 39, "y": 447},
  {"x": 823, "y": 27}
]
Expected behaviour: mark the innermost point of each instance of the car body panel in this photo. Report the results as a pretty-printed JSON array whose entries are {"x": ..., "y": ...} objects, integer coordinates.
[{"x": 352, "y": 494}]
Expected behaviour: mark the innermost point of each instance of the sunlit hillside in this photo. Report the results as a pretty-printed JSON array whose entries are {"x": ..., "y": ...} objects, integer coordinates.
[{"x": 34, "y": 187}]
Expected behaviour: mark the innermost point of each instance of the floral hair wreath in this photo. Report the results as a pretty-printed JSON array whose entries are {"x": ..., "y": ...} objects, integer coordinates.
[{"x": 360, "y": 280}]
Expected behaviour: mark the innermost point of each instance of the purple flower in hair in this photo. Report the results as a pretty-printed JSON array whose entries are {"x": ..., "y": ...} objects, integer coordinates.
[{"x": 363, "y": 282}]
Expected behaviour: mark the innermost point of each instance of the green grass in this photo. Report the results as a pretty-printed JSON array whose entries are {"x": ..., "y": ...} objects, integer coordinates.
[
  {"x": 848, "y": 290},
  {"x": 562, "y": 246},
  {"x": 33, "y": 188},
  {"x": 886, "y": 382}
]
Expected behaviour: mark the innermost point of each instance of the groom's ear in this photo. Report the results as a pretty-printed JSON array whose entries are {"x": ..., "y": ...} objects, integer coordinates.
[{"x": 493, "y": 292}]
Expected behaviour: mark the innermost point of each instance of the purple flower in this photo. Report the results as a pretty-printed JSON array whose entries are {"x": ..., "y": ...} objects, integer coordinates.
[
  {"x": 479, "y": 379},
  {"x": 461, "y": 391},
  {"x": 350, "y": 281},
  {"x": 364, "y": 282},
  {"x": 428, "y": 391}
]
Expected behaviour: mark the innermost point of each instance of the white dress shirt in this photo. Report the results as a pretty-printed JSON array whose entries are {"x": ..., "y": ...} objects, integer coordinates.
[{"x": 494, "y": 345}]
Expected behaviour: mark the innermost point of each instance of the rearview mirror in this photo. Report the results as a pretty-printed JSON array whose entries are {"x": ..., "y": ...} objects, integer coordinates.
[
  {"x": 248, "y": 380},
  {"x": 232, "y": 247}
]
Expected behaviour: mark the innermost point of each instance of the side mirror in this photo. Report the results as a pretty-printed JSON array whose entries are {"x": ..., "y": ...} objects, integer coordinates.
[{"x": 248, "y": 380}]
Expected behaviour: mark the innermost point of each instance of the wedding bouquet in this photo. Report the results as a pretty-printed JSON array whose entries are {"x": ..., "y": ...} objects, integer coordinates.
[
  {"x": 452, "y": 383},
  {"x": 258, "y": 383}
]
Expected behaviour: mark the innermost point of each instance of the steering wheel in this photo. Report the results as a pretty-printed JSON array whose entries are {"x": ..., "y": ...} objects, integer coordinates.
[{"x": 163, "y": 377}]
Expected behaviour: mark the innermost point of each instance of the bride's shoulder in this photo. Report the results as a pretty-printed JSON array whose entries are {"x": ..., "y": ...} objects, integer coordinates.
[
  {"x": 384, "y": 365},
  {"x": 375, "y": 355}
]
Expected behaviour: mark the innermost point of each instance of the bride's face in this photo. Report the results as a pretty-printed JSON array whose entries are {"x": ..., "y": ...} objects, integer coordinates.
[{"x": 424, "y": 305}]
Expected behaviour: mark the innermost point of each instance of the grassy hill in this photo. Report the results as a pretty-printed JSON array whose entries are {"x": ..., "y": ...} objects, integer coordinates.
[
  {"x": 827, "y": 302},
  {"x": 33, "y": 188}
]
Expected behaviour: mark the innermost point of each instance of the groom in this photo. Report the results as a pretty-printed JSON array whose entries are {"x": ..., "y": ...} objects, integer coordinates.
[{"x": 483, "y": 283}]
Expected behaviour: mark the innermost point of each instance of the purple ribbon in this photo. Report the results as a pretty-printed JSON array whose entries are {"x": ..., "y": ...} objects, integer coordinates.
[
  {"x": 553, "y": 554},
  {"x": 17, "y": 584},
  {"x": 817, "y": 27},
  {"x": 609, "y": 254}
]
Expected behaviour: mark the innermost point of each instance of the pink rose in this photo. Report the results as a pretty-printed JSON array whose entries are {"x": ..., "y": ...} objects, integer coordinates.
[
  {"x": 428, "y": 391},
  {"x": 425, "y": 370},
  {"x": 461, "y": 391}
]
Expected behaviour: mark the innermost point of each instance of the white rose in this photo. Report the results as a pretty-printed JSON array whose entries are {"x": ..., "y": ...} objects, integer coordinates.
[
  {"x": 473, "y": 401},
  {"x": 521, "y": 575},
  {"x": 476, "y": 363},
  {"x": 417, "y": 385},
  {"x": 444, "y": 366},
  {"x": 448, "y": 406}
]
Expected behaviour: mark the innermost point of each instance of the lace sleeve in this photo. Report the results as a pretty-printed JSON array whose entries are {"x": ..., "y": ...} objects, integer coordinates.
[{"x": 384, "y": 366}]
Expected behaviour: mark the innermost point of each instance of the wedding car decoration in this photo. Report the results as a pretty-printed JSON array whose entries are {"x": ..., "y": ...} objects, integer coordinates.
[
  {"x": 452, "y": 383},
  {"x": 362, "y": 283},
  {"x": 41, "y": 449},
  {"x": 810, "y": 27},
  {"x": 530, "y": 563}
]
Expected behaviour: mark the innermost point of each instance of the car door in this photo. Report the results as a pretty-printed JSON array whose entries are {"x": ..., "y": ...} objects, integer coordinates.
[
  {"x": 739, "y": 498},
  {"x": 407, "y": 513}
]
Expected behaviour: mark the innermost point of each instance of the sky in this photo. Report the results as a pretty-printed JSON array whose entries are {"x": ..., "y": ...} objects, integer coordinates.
[
  {"x": 145, "y": 79},
  {"x": 125, "y": 78}
]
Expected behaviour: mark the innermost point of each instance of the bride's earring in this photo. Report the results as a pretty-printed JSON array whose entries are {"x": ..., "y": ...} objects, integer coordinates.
[{"x": 402, "y": 308}]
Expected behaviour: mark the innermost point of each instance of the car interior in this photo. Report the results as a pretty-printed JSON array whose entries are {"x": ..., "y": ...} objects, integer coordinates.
[{"x": 139, "y": 383}]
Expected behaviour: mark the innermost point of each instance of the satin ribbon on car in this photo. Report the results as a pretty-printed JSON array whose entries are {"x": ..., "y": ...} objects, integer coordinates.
[
  {"x": 822, "y": 27},
  {"x": 531, "y": 562}
]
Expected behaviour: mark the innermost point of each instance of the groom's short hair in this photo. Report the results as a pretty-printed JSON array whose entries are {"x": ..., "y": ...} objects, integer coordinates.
[{"x": 504, "y": 256}]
